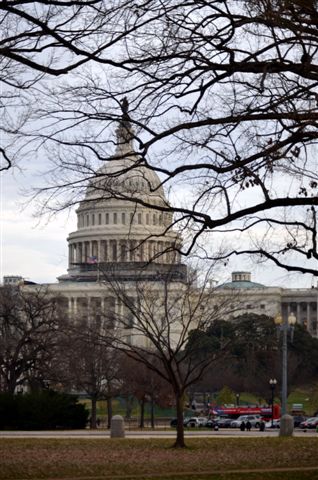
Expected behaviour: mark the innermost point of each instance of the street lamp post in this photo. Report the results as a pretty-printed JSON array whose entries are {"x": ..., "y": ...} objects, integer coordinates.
[
  {"x": 273, "y": 383},
  {"x": 238, "y": 399},
  {"x": 285, "y": 327}
]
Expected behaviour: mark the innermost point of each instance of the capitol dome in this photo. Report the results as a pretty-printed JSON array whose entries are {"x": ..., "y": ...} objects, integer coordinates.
[
  {"x": 126, "y": 175},
  {"x": 117, "y": 230}
]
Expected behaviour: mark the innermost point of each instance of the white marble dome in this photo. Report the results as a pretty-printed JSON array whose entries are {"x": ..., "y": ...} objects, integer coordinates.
[
  {"x": 112, "y": 229},
  {"x": 127, "y": 176}
]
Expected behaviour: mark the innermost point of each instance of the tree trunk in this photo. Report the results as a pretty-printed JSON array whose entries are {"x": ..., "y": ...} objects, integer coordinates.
[
  {"x": 93, "y": 413},
  {"x": 152, "y": 413},
  {"x": 179, "y": 443},
  {"x": 11, "y": 382},
  {"x": 129, "y": 401},
  {"x": 109, "y": 403},
  {"x": 142, "y": 413}
]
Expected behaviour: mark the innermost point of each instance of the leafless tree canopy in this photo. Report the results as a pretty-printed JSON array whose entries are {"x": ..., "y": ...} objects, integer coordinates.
[
  {"x": 28, "y": 335},
  {"x": 152, "y": 327},
  {"x": 47, "y": 39},
  {"x": 223, "y": 100}
]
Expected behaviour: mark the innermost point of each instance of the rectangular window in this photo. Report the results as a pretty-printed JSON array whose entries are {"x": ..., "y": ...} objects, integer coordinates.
[
  {"x": 93, "y": 219},
  {"x": 139, "y": 218},
  {"x": 107, "y": 218},
  {"x": 87, "y": 220},
  {"x": 99, "y": 219},
  {"x": 147, "y": 218},
  {"x": 123, "y": 218},
  {"x": 115, "y": 218},
  {"x": 154, "y": 219}
]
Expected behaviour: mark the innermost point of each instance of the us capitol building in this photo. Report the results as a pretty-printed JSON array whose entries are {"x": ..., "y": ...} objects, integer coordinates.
[{"x": 116, "y": 238}]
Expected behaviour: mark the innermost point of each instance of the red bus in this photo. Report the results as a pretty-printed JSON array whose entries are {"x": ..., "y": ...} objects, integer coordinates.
[{"x": 235, "y": 412}]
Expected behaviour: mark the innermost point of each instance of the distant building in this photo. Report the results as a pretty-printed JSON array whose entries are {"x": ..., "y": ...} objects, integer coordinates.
[
  {"x": 260, "y": 299},
  {"x": 12, "y": 280}
]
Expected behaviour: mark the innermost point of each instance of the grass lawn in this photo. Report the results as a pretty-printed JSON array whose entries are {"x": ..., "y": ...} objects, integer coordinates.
[{"x": 204, "y": 459}]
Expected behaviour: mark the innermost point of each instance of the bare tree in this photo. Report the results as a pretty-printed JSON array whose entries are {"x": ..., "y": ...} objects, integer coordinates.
[
  {"x": 223, "y": 101},
  {"x": 41, "y": 41},
  {"x": 146, "y": 386},
  {"x": 28, "y": 336},
  {"x": 152, "y": 327},
  {"x": 86, "y": 365}
]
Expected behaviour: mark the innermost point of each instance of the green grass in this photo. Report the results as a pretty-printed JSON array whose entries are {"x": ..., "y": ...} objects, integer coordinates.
[
  {"x": 119, "y": 408},
  {"x": 204, "y": 458},
  {"x": 307, "y": 396}
]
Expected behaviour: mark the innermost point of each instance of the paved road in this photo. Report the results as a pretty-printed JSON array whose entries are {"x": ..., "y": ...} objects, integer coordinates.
[{"x": 100, "y": 433}]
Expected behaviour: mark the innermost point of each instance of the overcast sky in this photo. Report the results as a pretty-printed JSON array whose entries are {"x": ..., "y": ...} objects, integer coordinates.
[{"x": 37, "y": 250}]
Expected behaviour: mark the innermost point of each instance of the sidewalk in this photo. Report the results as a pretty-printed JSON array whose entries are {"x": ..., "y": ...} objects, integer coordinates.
[{"x": 100, "y": 433}]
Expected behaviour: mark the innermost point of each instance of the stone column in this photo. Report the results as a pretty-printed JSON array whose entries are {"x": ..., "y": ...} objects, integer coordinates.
[
  {"x": 298, "y": 313},
  {"x": 308, "y": 316},
  {"x": 141, "y": 250},
  {"x": 99, "y": 250},
  {"x": 69, "y": 255}
]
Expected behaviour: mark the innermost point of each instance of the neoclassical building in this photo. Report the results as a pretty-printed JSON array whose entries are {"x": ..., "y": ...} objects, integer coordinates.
[
  {"x": 272, "y": 300},
  {"x": 128, "y": 241},
  {"x": 117, "y": 239}
]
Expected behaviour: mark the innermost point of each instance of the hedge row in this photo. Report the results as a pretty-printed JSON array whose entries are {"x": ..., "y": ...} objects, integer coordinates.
[{"x": 41, "y": 411}]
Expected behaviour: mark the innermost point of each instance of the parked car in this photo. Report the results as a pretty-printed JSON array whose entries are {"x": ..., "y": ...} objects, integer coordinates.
[
  {"x": 211, "y": 423},
  {"x": 311, "y": 422},
  {"x": 173, "y": 422},
  {"x": 254, "y": 420},
  {"x": 274, "y": 424},
  {"x": 221, "y": 422},
  {"x": 224, "y": 422},
  {"x": 196, "y": 422},
  {"x": 298, "y": 419}
]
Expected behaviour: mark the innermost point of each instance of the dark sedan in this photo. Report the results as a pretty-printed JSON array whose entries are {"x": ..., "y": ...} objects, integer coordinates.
[{"x": 298, "y": 419}]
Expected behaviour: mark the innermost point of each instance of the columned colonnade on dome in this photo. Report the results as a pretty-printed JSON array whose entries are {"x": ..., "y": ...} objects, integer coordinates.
[{"x": 122, "y": 251}]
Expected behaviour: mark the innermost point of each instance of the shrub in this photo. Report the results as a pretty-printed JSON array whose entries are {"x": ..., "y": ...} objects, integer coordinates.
[{"x": 41, "y": 410}]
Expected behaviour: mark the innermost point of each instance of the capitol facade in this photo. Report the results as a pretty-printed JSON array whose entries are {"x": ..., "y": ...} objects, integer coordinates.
[{"x": 127, "y": 241}]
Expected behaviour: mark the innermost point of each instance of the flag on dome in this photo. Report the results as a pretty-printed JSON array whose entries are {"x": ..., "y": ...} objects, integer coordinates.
[{"x": 91, "y": 260}]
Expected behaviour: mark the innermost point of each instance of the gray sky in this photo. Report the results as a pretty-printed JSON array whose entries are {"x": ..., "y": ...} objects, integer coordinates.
[{"x": 34, "y": 248}]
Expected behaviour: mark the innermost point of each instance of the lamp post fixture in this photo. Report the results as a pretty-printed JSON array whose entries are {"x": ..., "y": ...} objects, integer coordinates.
[
  {"x": 285, "y": 327},
  {"x": 237, "y": 399},
  {"x": 273, "y": 383}
]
